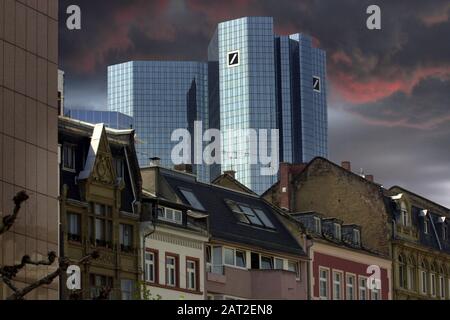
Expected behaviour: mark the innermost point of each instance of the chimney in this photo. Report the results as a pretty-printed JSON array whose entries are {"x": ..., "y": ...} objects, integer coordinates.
[
  {"x": 155, "y": 162},
  {"x": 186, "y": 168},
  {"x": 347, "y": 165},
  {"x": 287, "y": 171},
  {"x": 370, "y": 178},
  {"x": 231, "y": 173}
]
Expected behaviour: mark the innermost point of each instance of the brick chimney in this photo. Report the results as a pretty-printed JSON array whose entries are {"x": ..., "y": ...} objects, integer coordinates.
[
  {"x": 231, "y": 173},
  {"x": 287, "y": 171},
  {"x": 370, "y": 178},
  {"x": 347, "y": 165}
]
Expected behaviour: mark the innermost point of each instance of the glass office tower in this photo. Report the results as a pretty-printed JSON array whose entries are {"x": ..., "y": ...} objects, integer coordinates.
[
  {"x": 265, "y": 81},
  {"x": 110, "y": 119},
  {"x": 161, "y": 97}
]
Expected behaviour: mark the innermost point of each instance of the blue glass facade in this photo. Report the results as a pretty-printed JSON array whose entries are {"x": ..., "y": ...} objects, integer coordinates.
[
  {"x": 268, "y": 85},
  {"x": 253, "y": 79},
  {"x": 114, "y": 120},
  {"x": 162, "y": 97}
]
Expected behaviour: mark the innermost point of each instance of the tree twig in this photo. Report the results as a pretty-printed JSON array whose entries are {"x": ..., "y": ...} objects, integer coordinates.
[{"x": 7, "y": 222}]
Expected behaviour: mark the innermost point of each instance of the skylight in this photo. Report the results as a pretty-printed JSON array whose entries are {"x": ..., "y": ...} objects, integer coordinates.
[
  {"x": 192, "y": 199},
  {"x": 249, "y": 215}
]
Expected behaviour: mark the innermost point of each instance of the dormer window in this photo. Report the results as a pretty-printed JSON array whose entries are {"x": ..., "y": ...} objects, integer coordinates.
[
  {"x": 317, "y": 225},
  {"x": 426, "y": 227},
  {"x": 170, "y": 215},
  {"x": 404, "y": 214},
  {"x": 68, "y": 157},
  {"x": 119, "y": 166},
  {"x": 337, "y": 231},
  {"x": 356, "y": 237}
]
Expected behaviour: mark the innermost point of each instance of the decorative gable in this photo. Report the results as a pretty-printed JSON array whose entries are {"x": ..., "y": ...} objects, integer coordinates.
[{"x": 99, "y": 167}]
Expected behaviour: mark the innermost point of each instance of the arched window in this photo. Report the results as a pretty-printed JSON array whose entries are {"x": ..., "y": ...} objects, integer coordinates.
[
  {"x": 423, "y": 277},
  {"x": 433, "y": 279},
  {"x": 401, "y": 271},
  {"x": 404, "y": 215},
  {"x": 441, "y": 282},
  {"x": 411, "y": 274}
]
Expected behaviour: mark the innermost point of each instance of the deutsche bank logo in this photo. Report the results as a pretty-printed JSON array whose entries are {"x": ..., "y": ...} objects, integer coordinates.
[
  {"x": 233, "y": 58},
  {"x": 316, "y": 84}
]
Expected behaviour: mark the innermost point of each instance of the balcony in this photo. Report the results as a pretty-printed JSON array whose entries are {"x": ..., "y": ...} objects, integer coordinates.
[{"x": 255, "y": 284}]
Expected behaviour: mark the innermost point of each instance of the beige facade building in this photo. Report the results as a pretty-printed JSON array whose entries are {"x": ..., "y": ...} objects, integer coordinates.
[{"x": 28, "y": 134}]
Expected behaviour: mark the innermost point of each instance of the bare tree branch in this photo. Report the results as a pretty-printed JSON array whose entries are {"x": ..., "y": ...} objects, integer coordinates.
[
  {"x": 7, "y": 222},
  {"x": 8, "y": 273},
  {"x": 64, "y": 264}
]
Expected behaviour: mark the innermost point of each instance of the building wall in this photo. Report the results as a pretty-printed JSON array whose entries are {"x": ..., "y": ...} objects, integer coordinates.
[
  {"x": 183, "y": 244},
  {"x": 351, "y": 262},
  {"x": 28, "y": 134},
  {"x": 335, "y": 192}
]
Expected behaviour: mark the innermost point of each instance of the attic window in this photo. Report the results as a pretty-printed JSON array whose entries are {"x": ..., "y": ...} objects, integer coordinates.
[
  {"x": 426, "y": 228},
  {"x": 249, "y": 215},
  {"x": 337, "y": 231},
  {"x": 317, "y": 225},
  {"x": 356, "y": 237},
  {"x": 68, "y": 157},
  {"x": 192, "y": 199}
]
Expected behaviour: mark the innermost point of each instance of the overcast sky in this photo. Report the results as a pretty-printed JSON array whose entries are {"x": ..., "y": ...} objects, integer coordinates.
[{"x": 389, "y": 90}]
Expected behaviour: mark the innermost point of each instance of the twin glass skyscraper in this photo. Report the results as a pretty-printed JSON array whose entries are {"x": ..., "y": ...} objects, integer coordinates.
[{"x": 253, "y": 79}]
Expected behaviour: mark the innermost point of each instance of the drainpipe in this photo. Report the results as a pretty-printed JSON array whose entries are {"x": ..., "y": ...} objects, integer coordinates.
[{"x": 308, "y": 267}]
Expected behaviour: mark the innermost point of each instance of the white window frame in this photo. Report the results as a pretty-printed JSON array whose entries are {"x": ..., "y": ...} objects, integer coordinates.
[
  {"x": 191, "y": 271},
  {"x": 411, "y": 276},
  {"x": 426, "y": 226},
  {"x": 150, "y": 264},
  {"x": 326, "y": 281},
  {"x": 336, "y": 283},
  {"x": 423, "y": 285},
  {"x": 377, "y": 292},
  {"x": 297, "y": 271},
  {"x": 171, "y": 278},
  {"x": 235, "y": 251},
  {"x": 441, "y": 287},
  {"x": 357, "y": 237},
  {"x": 362, "y": 288},
  {"x": 347, "y": 286},
  {"x": 433, "y": 287},
  {"x": 317, "y": 225},
  {"x": 164, "y": 217},
  {"x": 338, "y": 231}
]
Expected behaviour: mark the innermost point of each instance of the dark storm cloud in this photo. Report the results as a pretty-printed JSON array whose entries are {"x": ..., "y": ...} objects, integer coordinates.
[
  {"x": 389, "y": 89},
  {"x": 426, "y": 107}
]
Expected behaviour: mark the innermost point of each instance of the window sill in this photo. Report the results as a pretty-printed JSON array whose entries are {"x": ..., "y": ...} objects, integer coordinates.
[{"x": 163, "y": 286}]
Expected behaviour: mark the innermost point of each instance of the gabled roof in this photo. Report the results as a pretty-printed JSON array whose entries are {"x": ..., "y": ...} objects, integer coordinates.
[
  {"x": 224, "y": 224},
  {"x": 226, "y": 180}
]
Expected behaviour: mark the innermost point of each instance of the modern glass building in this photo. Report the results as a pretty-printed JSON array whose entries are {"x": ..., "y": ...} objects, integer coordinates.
[
  {"x": 254, "y": 79},
  {"x": 265, "y": 81},
  {"x": 161, "y": 97},
  {"x": 111, "y": 119}
]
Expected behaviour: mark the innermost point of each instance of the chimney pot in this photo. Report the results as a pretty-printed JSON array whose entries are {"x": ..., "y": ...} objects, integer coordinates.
[{"x": 155, "y": 162}]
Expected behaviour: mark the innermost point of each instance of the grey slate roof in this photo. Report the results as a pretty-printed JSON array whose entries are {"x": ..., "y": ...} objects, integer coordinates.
[{"x": 223, "y": 223}]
